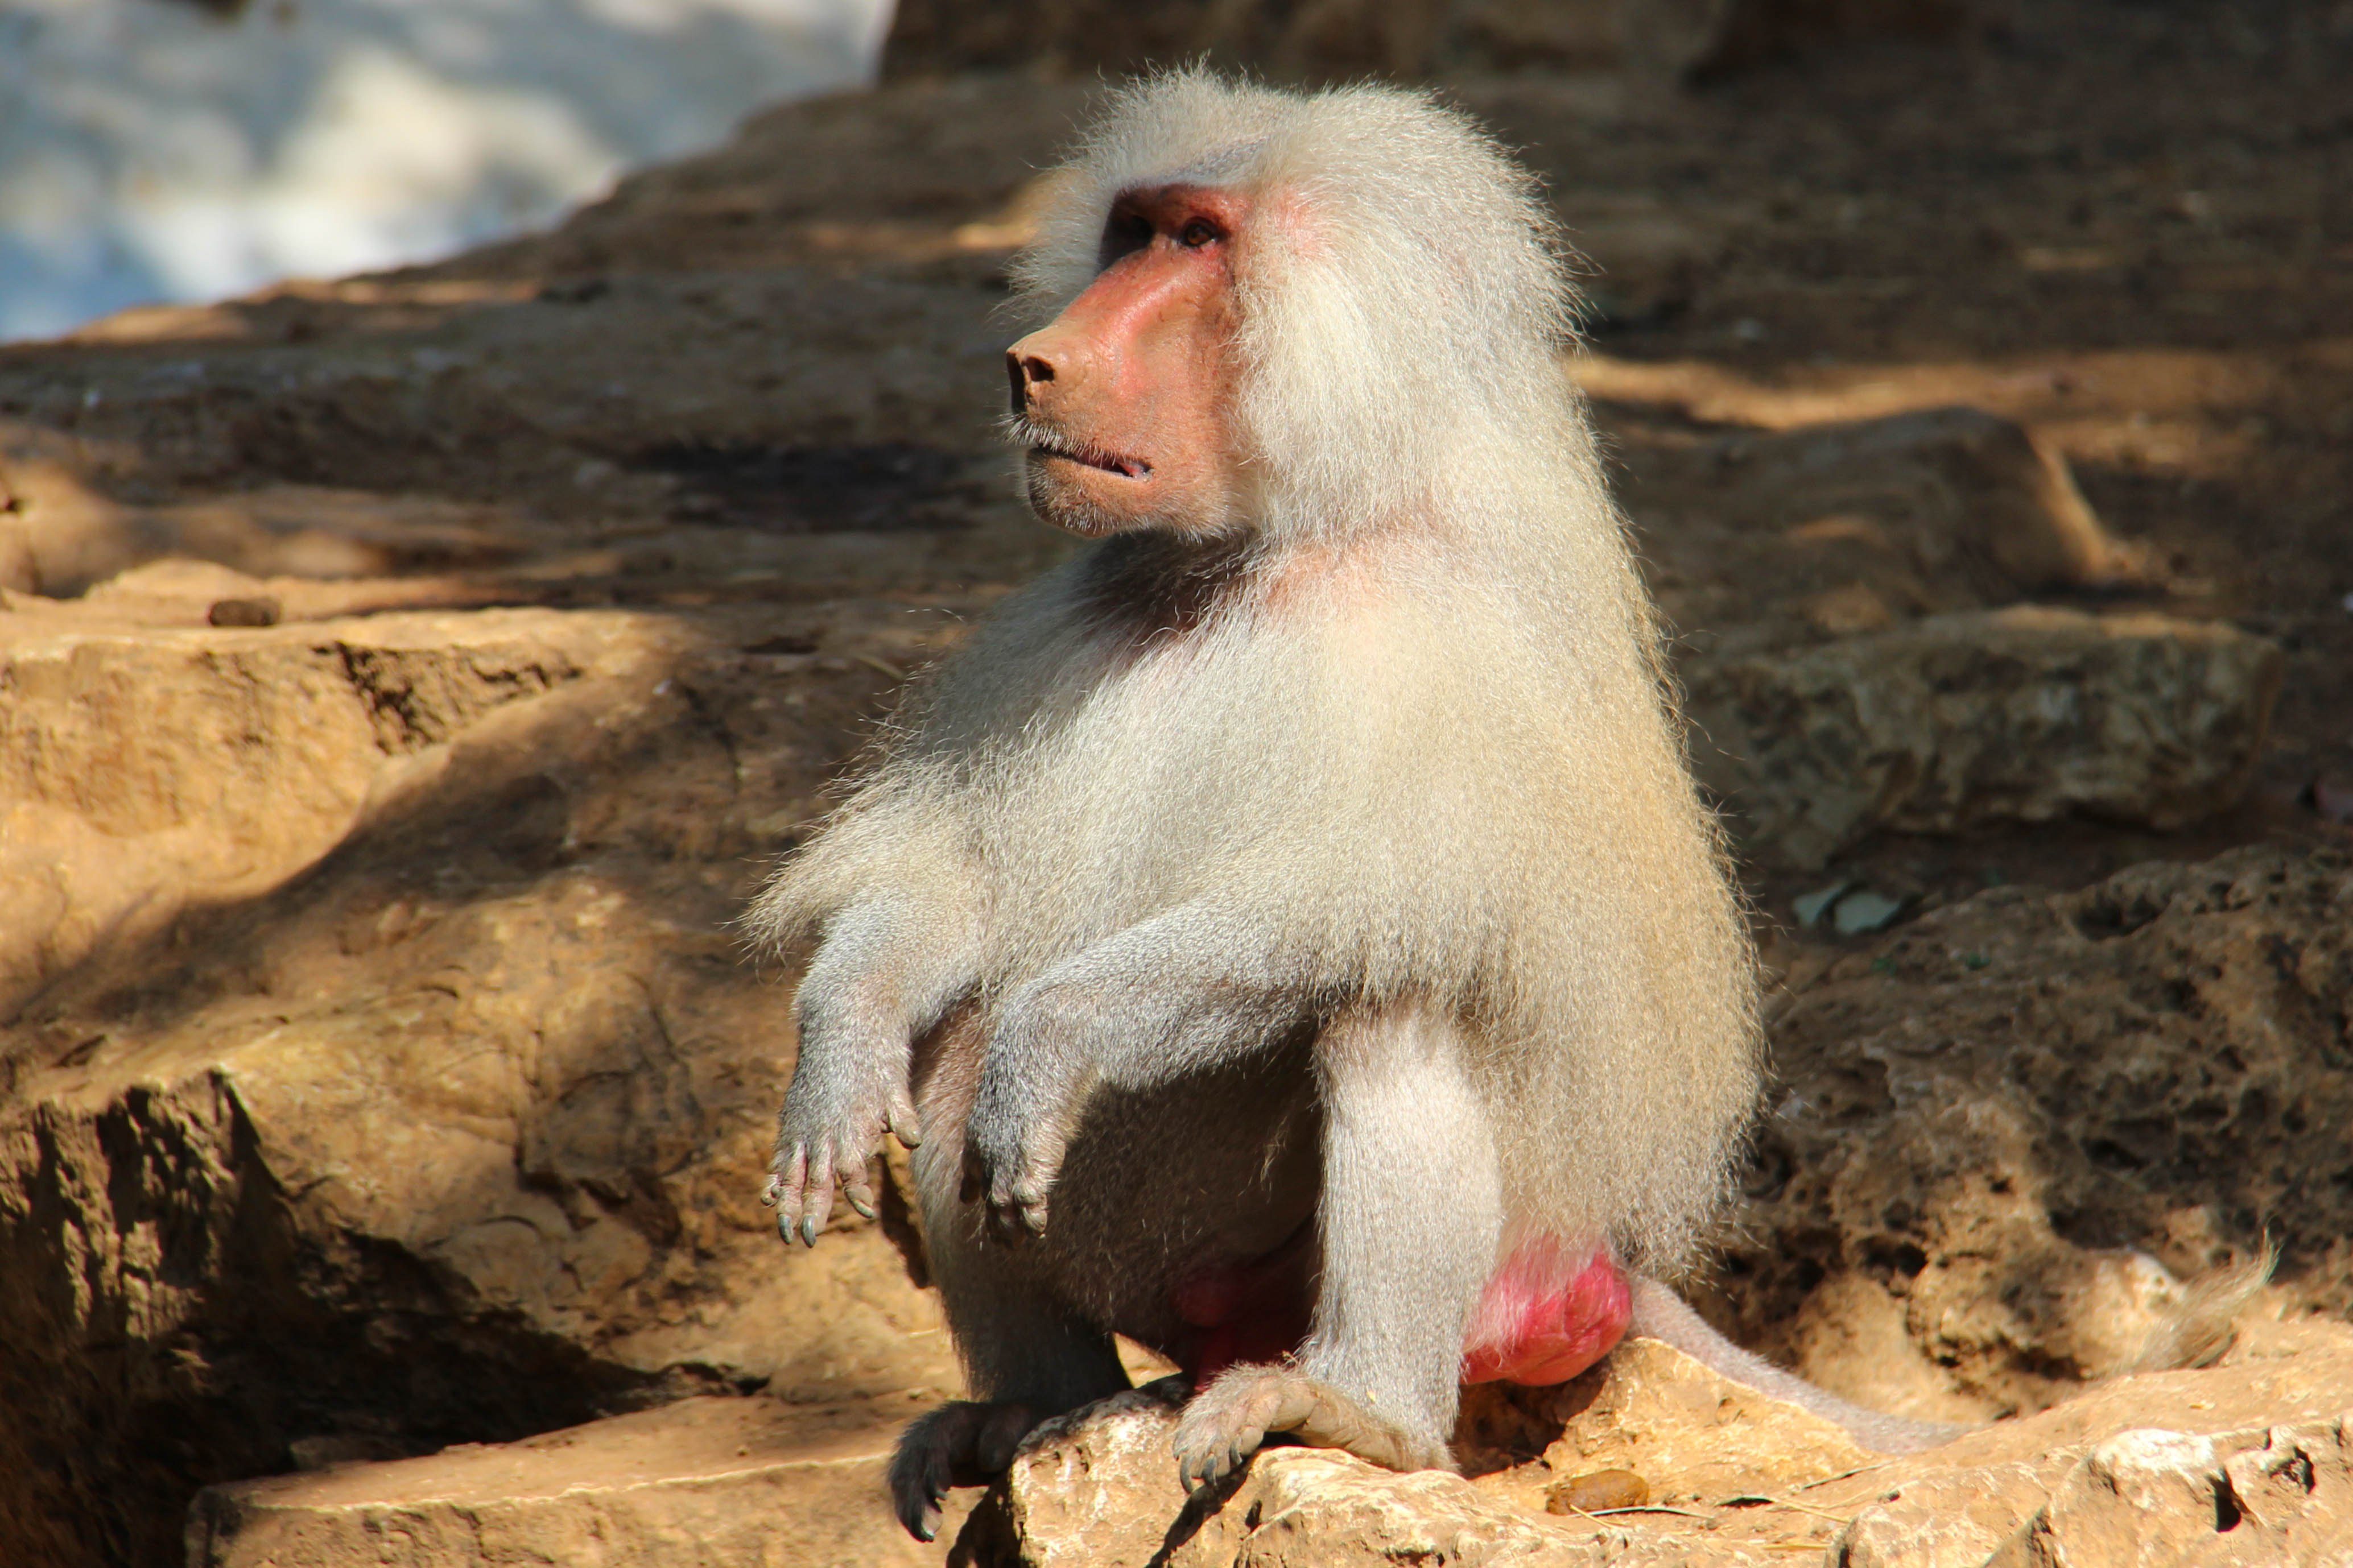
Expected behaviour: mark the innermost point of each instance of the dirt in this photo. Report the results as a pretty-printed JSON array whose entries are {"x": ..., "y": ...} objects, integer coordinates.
[{"x": 594, "y": 555}]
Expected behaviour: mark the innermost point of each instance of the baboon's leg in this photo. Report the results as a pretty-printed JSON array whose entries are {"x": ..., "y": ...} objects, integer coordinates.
[
  {"x": 1026, "y": 1355},
  {"x": 1411, "y": 1215},
  {"x": 963, "y": 1442}
]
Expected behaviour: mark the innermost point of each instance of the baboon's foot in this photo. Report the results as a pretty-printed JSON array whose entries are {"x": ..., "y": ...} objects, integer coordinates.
[
  {"x": 1228, "y": 1420},
  {"x": 960, "y": 1443}
]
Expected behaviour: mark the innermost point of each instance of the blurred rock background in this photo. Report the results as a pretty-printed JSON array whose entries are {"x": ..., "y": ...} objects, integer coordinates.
[{"x": 405, "y": 678}]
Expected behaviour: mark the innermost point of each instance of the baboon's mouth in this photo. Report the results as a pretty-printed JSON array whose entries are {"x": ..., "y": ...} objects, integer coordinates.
[{"x": 1094, "y": 457}]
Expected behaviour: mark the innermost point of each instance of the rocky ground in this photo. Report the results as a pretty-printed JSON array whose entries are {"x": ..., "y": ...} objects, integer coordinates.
[
  {"x": 1654, "y": 1459},
  {"x": 403, "y": 680}
]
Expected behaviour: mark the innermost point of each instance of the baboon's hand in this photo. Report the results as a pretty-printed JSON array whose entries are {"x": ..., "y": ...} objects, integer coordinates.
[
  {"x": 1009, "y": 1166},
  {"x": 826, "y": 1134},
  {"x": 1014, "y": 1143}
]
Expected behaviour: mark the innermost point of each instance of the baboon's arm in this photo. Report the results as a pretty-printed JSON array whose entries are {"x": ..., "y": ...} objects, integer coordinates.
[
  {"x": 887, "y": 970},
  {"x": 1168, "y": 996}
]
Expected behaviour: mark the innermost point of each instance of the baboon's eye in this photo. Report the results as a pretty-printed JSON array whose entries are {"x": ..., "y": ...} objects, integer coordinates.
[{"x": 1197, "y": 233}]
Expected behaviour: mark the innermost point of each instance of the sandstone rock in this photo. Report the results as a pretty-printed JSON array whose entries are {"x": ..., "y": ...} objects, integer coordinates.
[
  {"x": 701, "y": 1483},
  {"x": 2002, "y": 1133},
  {"x": 1692, "y": 1435},
  {"x": 2022, "y": 714},
  {"x": 2281, "y": 1494},
  {"x": 139, "y": 771},
  {"x": 20, "y": 569},
  {"x": 1749, "y": 1479},
  {"x": 2278, "y": 1494},
  {"x": 1959, "y": 488},
  {"x": 1652, "y": 1413},
  {"x": 446, "y": 1121},
  {"x": 1860, "y": 657},
  {"x": 1856, "y": 525},
  {"x": 1100, "y": 1490},
  {"x": 379, "y": 1067},
  {"x": 1954, "y": 1520}
]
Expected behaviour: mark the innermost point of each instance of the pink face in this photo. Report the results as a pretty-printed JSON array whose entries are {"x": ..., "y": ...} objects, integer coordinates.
[{"x": 1121, "y": 398}]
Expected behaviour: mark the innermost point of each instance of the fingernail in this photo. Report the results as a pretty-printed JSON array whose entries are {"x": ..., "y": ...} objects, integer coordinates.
[{"x": 808, "y": 1230}]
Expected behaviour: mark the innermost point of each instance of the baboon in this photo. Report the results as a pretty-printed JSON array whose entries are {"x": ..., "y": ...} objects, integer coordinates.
[{"x": 1287, "y": 933}]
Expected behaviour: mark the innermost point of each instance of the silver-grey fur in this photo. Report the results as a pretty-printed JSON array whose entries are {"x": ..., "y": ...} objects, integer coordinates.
[{"x": 1375, "y": 904}]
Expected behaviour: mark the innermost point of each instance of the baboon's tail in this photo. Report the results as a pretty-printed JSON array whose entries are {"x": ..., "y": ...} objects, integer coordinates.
[
  {"x": 1660, "y": 1314},
  {"x": 2202, "y": 1330}
]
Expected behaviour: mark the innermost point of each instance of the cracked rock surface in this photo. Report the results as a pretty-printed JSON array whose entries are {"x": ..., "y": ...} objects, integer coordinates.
[{"x": 2247, "y": 1462}]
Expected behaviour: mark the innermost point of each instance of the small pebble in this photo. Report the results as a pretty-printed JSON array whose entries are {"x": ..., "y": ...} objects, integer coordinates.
[
  {"x": 244, "y": 613},
  {"x": 1865, "y": 911},
  {"x": 1596, "y": 1490},
  {"x": 1811, "y": 907}
]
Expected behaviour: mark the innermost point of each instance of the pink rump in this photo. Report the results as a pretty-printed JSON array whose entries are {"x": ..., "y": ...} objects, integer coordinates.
[{"x": 1546, "y": 1315}]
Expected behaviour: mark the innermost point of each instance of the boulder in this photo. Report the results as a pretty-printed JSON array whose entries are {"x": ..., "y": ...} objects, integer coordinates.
[
  {"x": 1734, "y": 1478},
  {"x": 142, "y": 769},
  {"x": 418, "y": 1091},
  {"x": 1860, "y": 652},
  {"x": 1955, "y": 721},
  {"x": 1099, "y": 1489},
  {"x": 701, "y": 1483}
]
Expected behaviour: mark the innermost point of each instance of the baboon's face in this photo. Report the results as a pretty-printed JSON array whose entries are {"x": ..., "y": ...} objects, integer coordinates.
[{"x": 1121, "y": 401}]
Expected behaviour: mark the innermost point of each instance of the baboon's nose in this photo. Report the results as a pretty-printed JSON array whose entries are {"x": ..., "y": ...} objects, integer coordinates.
[{"x": 1025, "y": 371}]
